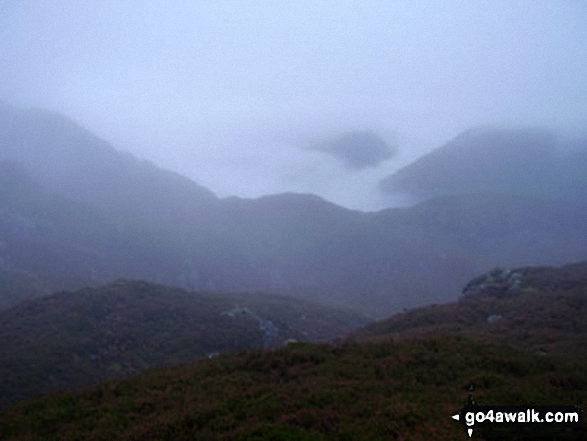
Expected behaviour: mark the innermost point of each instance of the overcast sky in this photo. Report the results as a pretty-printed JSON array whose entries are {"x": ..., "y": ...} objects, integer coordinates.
[{"x": 238, "y": 94}]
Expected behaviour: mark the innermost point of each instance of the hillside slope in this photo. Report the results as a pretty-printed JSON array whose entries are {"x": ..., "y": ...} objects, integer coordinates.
[
  {"x": 400, "y": 379},
  {"x": 355, "y": 391},
  {"x": 75, "y": 339},
  {"x": 540, "y": 309},
  {"x": 68, "y": 159},
  {"x": 49, "y": 242}
]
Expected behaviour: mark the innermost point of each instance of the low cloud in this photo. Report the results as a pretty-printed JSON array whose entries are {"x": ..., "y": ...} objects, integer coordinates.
[{"x": 358, "y": 149}]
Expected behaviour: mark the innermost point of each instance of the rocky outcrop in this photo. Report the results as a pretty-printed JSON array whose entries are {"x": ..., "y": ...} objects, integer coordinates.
[
  {"x": 270, "y": 331},
  {"x": 498, "y": 283}
]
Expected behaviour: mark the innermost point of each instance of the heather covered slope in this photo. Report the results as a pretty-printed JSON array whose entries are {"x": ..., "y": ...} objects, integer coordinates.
[
  {"x": 517, "y": 336},
  {"x": 540, "y": 309},
  {"x": 76, "y": 339},
  {"x": 352, "y": 391}
]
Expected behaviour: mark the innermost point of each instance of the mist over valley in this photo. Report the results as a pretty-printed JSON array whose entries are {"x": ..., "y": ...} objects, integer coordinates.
[{"x": 304, "y": 221}]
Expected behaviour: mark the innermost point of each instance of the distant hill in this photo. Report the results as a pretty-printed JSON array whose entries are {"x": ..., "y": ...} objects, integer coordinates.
[
  {"x": 45, "y": 234},
  {"x": 76, "y": 339},
  {"x": 513, "y": 161},
  {"x": 50, "y": 242},
  {"x": 425, "y": 254},
  {"x": 69, "y": 160},
  {"x": 541, "y": 309},
  {"x": 398, "y": 258},
  {"x": 114, "y": 216},
  {"x": 516, "y": 338}
]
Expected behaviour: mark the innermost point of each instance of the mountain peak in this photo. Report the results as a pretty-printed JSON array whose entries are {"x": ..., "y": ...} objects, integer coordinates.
[{"x": 488, "y": 159}]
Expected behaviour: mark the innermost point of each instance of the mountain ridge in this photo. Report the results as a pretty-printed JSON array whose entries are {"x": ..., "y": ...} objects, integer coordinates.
[
  {"x": 166, "y": 229},
  {"x": 532, "y": 161}
]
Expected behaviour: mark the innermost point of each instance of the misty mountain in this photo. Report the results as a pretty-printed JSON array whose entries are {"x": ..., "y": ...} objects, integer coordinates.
[
  {"x": 49, "y": 242},
  {"x": 71, "y": 161},
  {"x": 520, "y": 161},
  {"x": 114, "y": 216},
  {"x": 405, "y": 257},
  {"x": 165, "y": 221},
  {"x": 76, "y": 339},
  {"x": 48, "y": 235}
]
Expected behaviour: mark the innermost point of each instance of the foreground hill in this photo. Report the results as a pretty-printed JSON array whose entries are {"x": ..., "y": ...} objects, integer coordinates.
[
  {"x": 354, "y": 391},
  {"x": 543, "y": 310},
  {"x": 75, "y": 339},
  {"x": 395, "y": 380}
]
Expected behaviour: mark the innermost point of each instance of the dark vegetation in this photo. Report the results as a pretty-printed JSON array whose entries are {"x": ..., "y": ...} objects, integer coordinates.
[
  {"x": 75, "y": 339},
  {"x": 542, "y": 310},
  {"x": 399, "y": 379},
  {"x": 350, "y": 391}
]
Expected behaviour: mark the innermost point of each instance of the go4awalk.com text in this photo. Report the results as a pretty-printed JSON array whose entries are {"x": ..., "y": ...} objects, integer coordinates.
[{"x": 472, "y": 416}]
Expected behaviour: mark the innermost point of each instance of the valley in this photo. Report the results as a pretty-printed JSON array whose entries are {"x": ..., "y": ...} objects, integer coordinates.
[{"x": 136, "y": 304}]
